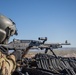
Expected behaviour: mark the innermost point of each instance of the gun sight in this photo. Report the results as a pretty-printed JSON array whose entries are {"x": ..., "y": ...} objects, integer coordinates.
[{"x": 44, "y": 39}]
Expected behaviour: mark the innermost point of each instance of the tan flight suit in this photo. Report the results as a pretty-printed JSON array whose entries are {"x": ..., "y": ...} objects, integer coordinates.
[{"x": 7, "y": 64}]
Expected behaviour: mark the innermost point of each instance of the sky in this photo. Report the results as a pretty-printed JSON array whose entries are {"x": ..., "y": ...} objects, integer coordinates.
[{"x": 54, "y": 19}]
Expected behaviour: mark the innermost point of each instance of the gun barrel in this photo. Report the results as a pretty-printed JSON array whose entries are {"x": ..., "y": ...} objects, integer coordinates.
[{"x": 65, "y": 44}]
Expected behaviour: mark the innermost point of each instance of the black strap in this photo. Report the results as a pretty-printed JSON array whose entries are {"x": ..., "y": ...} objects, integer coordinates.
[{"x": 4, "y": 50}]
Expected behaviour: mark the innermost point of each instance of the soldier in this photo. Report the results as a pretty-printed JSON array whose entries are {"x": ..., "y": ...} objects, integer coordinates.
[{"x": 7, "y": 29}]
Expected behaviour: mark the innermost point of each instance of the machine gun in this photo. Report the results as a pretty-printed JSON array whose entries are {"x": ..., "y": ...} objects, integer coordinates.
[
  {"x": 50, "y": 46},
  {"x": 26, "y": 45},
  {"x": 23, "y": 45}
]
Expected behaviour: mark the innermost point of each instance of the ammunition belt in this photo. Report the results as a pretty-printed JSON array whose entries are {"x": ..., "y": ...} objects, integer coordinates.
[
  {"x": 45, "y": 64},
  {"x": 59, "y": 65}
]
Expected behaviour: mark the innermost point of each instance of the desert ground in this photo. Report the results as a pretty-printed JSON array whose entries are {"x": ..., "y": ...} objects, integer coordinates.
[{"x": 64, "y": 53}]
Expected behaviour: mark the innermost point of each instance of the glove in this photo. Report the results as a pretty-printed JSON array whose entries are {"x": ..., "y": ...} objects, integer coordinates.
[{"x": 18, "y": 55}]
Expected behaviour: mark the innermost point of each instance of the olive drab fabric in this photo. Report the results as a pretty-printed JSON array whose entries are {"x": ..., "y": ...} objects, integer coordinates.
[{"x": 7, "y": 64}]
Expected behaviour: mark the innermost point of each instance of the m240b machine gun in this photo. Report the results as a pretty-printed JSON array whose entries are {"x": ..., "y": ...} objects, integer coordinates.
[
  {"x": 17, "y": 44},
  {"x": 25, "y": 46}
]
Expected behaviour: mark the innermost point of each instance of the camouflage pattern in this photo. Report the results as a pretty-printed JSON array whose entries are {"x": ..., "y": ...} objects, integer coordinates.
[{"x": 7, "y": 64}]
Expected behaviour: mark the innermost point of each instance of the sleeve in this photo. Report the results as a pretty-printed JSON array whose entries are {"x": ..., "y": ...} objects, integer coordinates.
[{"x": 7, "y": 64}]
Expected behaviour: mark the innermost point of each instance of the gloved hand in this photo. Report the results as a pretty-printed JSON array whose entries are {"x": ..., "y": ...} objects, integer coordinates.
[{"x": 17, "y": 54}]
